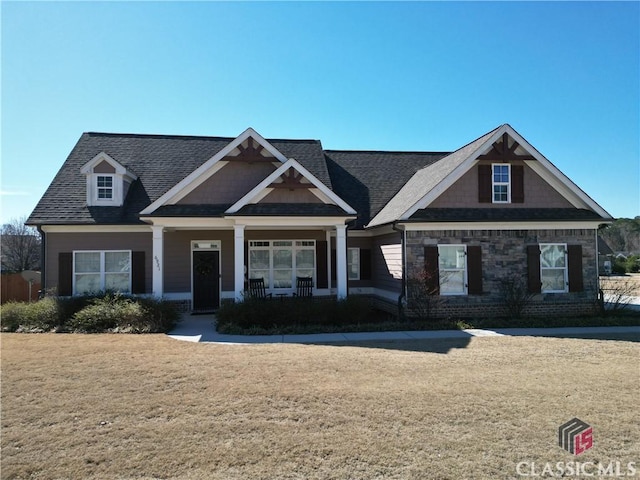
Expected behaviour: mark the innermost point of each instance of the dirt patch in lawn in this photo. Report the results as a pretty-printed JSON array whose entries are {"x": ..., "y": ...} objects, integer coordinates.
[{"x": 114, "y": 406}]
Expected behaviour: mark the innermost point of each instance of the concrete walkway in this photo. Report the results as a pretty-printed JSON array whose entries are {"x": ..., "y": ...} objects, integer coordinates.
[{"x": 201, "y": 328}]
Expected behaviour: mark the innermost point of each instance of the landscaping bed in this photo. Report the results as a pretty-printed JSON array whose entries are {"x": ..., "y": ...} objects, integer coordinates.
[
  {"x": 107, "y": 312},
  {"x": 355, "y": 314}
]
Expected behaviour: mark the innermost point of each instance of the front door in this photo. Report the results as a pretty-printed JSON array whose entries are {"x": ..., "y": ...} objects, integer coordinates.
[{"x": 206, "y": 280}]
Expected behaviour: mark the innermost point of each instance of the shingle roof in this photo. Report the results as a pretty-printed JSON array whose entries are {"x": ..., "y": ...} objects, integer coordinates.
[
  {"x": 424, "y": 180},
  {"x": 381, "y": 186},
  {"x": 160, "y": 161},
  {"x": 291, "y": 209},
  {"x": 367, "y": 180},
  {"x": 501, "y": 214}
]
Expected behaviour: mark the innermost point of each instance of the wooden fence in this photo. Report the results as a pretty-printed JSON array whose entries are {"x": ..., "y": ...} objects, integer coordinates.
[{"x": 14, "y": 287}]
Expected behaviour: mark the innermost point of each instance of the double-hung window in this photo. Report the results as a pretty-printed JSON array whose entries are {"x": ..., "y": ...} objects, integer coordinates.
[
  {"x": 105, "y": 187},
  {"x": 95, "y": 271},
  {"x": 501, "y": 182},
  {"x": 452, "y": 268},
  {"x": 279, "y": 262},
  {"x": 553, "y": 267}
]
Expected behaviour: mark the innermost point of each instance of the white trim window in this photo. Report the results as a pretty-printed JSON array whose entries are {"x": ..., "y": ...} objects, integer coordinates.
[
  {"x": 104, "y": 188},
  {"x": 96, "y": 271},
  {"x": 353, "y": 263},
  {"x": 501, "y": 182},
  {"x": 279, "y": 262},
  {"x": 452, "y": 269},
  {"x": 553, "y": 267}
]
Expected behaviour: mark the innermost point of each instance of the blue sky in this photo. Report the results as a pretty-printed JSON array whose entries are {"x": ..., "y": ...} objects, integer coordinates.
[{"x": 375, "y": 76}]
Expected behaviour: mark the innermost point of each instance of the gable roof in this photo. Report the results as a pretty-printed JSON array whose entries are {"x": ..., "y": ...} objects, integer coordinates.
[
  {"x": 160, "y": 161},
  {"x": 430, "y": 182},
  {"x": 313, "y": 182},
  {"x": 381, "y": 186},
  {"x": 426, "y": 180}
]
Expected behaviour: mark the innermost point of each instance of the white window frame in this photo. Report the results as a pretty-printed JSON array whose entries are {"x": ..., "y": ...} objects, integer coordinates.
[
  {"x": 442, "y": 271},
  {"x": 111, "y": 189},
  {"x": 102, "y": 271},
  {"x": 351, "y": 263},
  {"x": 565, "y": 268},
  {"x": 495, "y": 184},
  {"x": 270, "y": 246}
]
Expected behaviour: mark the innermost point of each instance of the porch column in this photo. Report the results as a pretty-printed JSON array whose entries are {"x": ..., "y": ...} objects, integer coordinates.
[
  {"x": 238, "y": 261},
  {"x": 158, "y": 260},
  {"x": 341, "y": 261}
]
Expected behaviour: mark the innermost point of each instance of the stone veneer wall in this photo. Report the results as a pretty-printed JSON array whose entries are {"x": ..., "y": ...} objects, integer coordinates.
[{"x": 504, "y": 253}]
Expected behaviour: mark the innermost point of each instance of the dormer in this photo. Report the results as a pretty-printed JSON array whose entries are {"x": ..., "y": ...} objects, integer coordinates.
[{"x": 107, "y": 181}]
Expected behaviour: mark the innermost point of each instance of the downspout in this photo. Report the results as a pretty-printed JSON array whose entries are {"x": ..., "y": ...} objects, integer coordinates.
[
  {"x": 43, "y": 262},
  {"x": 402, "y": 298}
]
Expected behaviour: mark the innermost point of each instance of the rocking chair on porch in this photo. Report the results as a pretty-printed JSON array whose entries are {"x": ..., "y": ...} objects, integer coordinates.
[
  {"x": 257, "y": 289},
  {"x": 304, "y": 287}
]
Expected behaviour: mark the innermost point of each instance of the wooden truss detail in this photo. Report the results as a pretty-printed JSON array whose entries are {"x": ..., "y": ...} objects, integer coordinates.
[
  {"x": 250, "y": 153},
  {"x": 501, "y": 152},
  {"x": 292, "y": 180}
]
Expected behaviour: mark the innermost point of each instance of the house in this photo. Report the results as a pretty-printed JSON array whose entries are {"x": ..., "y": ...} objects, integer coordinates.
[{"x": 190, "y": 219}]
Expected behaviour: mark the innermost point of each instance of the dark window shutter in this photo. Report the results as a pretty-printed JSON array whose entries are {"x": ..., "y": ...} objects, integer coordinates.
[
  {"x": 138, "y": 273},
  {"x": 365, "y": 264},
  {"x": 246, "y": 265},
  {"x": 65, "y": 274},
  {"x": 432, "y": 275},
  {"x": 322, "y": 276},
  {"x": 575, "y": 268},
  {"x": 533, "y": 268},
  {"x": 334, "y": 275},
  {"x": 484, "y": 183},
  {"x": 517, "y": 184},
  {"x": 474, "y": 269}
]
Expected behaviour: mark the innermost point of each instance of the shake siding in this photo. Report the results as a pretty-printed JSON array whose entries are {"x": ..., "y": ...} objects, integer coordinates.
[
  {"x": 537, "y": 193},
  {"x": 283, "y": 195},
  {"x": 68, "y": 242},
  {"x": 387, "y": 262},
  {"x": 229, "y": 184}
]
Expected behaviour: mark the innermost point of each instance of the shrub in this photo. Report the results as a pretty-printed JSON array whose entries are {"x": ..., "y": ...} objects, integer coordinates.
[
  {"x": 42, "y": 315},
  {"x": 291, "y": 314},
  {"x": 120, "y": 313}
]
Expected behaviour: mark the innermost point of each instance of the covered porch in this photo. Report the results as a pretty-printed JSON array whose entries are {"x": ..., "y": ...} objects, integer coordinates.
[{"x": 206, "y": 260}]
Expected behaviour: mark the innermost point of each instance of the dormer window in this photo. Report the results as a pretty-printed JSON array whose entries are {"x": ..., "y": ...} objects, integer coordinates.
[
  {"x": 105, "y": 187},
  {"x": 107, "y": 181}
]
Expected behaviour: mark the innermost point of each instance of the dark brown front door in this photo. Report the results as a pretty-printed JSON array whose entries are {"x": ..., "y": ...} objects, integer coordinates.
[{"x": 206, "y": 280}]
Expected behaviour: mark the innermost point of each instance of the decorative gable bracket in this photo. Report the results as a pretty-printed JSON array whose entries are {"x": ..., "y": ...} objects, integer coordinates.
[
  {"x": 108, "y": 181},
  {"x": 251, "y": 153},
  {"x": 291, "y": 180},
  {"x": 503, "y": 153}
]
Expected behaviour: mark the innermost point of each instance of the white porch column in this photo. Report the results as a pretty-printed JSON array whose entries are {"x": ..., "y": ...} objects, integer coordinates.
[
  {"x": 341, "y": 261},
  {"x": 238, "y": 261},
  {"x": 329, "y": 275},
  {"x": 158, "y": 260}
]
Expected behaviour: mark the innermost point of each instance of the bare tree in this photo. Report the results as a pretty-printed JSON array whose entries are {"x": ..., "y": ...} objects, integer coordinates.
[
  {"x": 424, "y": 296},
  {"x": 515, "y": 294},
  {"x": 19, "y": 246}
]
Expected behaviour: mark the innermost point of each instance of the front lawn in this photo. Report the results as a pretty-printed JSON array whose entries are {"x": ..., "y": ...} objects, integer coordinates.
[{"x": 130, "y": 406}]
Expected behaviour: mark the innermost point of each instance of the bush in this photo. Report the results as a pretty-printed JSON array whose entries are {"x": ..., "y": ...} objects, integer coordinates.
[
  {"x": 120, "y": 313},
  {"x": 107, "y": 312},
  {"x": 42, "y": 316},
  {"x": 289, "y": 315}
]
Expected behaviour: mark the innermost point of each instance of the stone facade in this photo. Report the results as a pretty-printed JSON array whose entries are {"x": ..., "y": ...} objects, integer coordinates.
[{"x": 504, "y": 254}]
